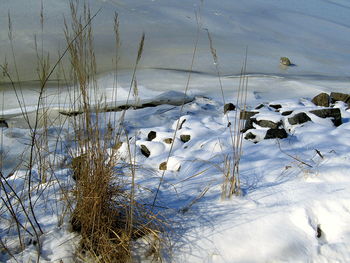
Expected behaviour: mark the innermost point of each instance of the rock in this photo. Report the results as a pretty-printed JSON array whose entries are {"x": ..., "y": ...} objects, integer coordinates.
[
  {"x": 299, "y": 118},
  {"x": 337, "y": 96},
  {"x": 267, "y": 123},
  {"x": 145, "y": 151},
  {"x": 285, "y": 61},
  {"x": 78, "y": 165},
  {"x": 321, "y": 99},
  {"x": 286, "y": 113},
  {"x": 250, "y": 136},
  {"x": 151, "y": 135},
  {"x": 248, "y": 125},
  {"x": 117, "y": 145},
  {"x": 245, "y": 115},
  {"x": 182, "y": 123},
  {"x": 168, "y": 140},
  {"x": 3, "y": 124},
  {"x": 259, "y": 106},
  {"x": 229, "y": 107},
  {"x": 185, "y": 138},
  {"x": 276, "y": 134},
  {"x": 329, "y": 113},
  {"x": 275, "y": 106},
  {"x": 163, "y": 166}
]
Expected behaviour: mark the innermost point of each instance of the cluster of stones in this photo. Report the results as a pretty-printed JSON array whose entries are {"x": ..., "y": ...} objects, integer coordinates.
[
  {"x": 278, "y": 130},
  {"x": 153, "y": 134}
]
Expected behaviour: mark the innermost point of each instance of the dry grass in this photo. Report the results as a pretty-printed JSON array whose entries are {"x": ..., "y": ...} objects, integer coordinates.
[
  {"x": 106, "y": 214},
  {"x": 102, "y": 208}
]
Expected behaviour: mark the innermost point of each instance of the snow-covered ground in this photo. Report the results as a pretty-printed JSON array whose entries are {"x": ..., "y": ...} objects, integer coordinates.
[{"x": 295, "y": 202}]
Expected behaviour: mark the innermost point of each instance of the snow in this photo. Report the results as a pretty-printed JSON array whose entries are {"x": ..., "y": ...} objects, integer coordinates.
[{"x": 293, "y": 189}]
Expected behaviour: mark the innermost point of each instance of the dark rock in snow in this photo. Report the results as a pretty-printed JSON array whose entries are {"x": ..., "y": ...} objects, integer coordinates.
[
  {"x": 259, "y": 106},
  {"x": 329, "y": 113},
  {"x": 267, "y": 123},
  {"x": 182, "y": 123},
  {"x": 276, "y": 134},
  {"x": 245, "y": 115},
  {"x": 299, "y": 118},
  {"x": 3, "y": 124},
  {"x": 163, "y": 166},
  {"x": 285, "y": 61},
  {"x": 286, "y": 113},
  {"x": 248, "y": 125},
  {"x": 337, "y": 96},
  {"x": 250, "y": 136},
  {"x": 145, "y": 151},
  {"x": 151, "y": 135},
  {"x": 185, "y": 138},
  {"x": 229, "y": 107},
  {"x": 79, "y": 166},
  {"x": 168, "y": 140},
  {"x": 322, "y": 99},
  {"x": 275, "y": 106},
  {"x": 117, "y": 145}
]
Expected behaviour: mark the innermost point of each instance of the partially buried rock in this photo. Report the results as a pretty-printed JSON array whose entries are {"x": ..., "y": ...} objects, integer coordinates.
[
  {"x": 299, "y": 118},
  {"x": 337, "y": 96},
  {"x": 321, "y": 99},
  {"x": 248, "y": 125},
  {"x": 333, "y": 113},
  {"x": 250, "y": 136},
  {"x": 276, "y": 134},
  {"x": 163, "y": 166},
  {"x": 117, "y": 145},
  {"x": 145, "y": 151},
  {"x": 151, "y": 135},
  {"x": 267, "y": 123},
  {"x": 229, "y": 107},
  {"x": 260, "y": 106},
  {"x": 285, "y": 61},
  {"x": 286, "y": 113},
  {"x": 79, "y": 166},
  {"x": 245, "y": 115},
  {"x": 3, "y": 124},
  {"x": 185, "y": 137},
  {"x": 275, "y": 106},
  {"x": 168, "y": 140}
]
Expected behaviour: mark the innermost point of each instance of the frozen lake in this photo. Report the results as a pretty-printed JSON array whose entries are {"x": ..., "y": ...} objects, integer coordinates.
[{"x": 314, "y": 34}]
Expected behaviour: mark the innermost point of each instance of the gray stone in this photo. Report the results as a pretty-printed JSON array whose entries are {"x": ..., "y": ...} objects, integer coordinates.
[
  {"x": 248, "y": 125},
  {"x": 163, "y": 166},
  {"x": 145, "y": 151},
  {"x": 151, "y": 135},
  {"x": 276, "y": 134},
  {"x": 299, "y": 118},
  {"x": 229, "y": 107},
  {"x": 117, "y": 145},
  {"x": 337, "y": 96},
  {"x": 245, "y": 115},
  {"x": 182, "y": 123},
  {"x": 250, "y": 136},
  {"x": 267, "y": 123},
  {"x": 285, "y": 61},
  {"x": 259, "y": 106},
  {"x": 275, "y": 106},
  {"x": 79, "y": 166},
  {"x": 185, "y": 138},
  {"x": 322, "y": 99},
  {"x": 3, "y": 124},
  {"x": 168, "y": 140},
  {"x": 286, "y": 113},
  {"x": 333, "y": 113}
]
